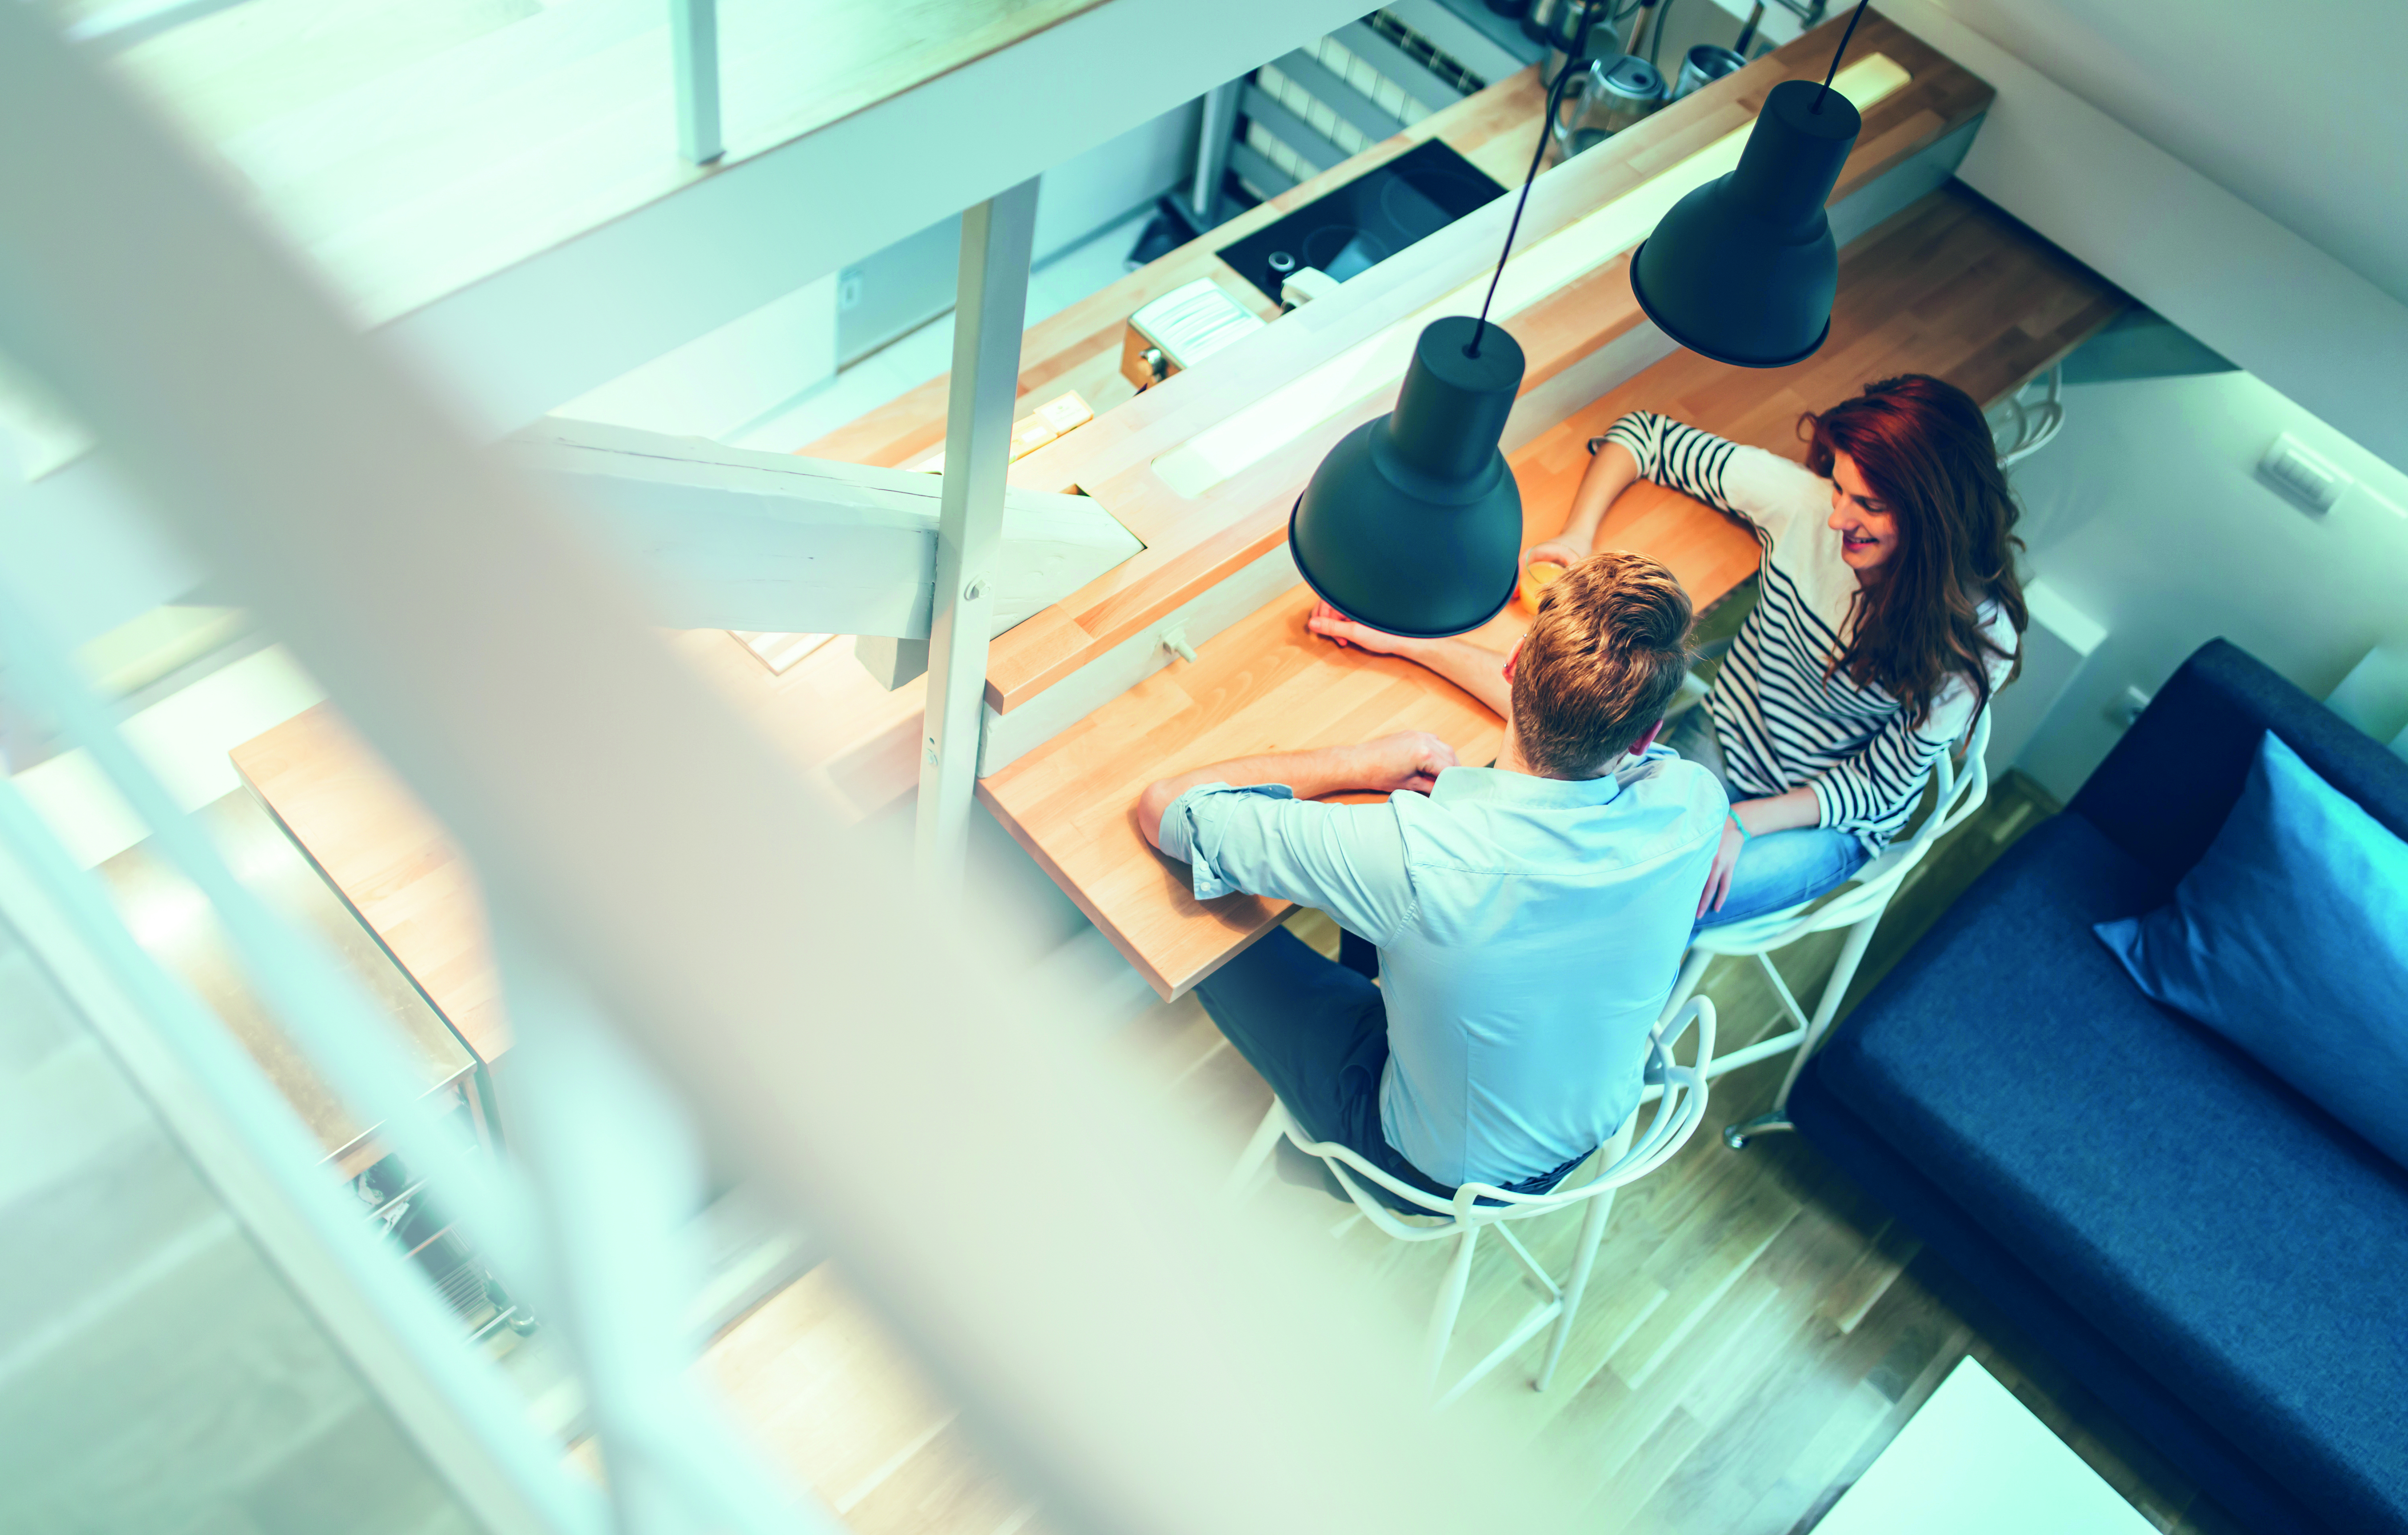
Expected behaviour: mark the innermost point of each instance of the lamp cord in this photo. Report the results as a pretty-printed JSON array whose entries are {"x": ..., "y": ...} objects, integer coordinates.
[
  {"x": 1546, "y": 130},
  {"x": 1854, "y": 17}
]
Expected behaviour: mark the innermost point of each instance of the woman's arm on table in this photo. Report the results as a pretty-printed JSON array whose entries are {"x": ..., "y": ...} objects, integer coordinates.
[
  {"x": 1410, "y": 759},
  {"x": 1479, "y": 672}
]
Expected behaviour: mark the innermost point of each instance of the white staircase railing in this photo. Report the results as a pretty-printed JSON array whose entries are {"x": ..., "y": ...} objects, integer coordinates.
[{"x": 691, "y": 946}]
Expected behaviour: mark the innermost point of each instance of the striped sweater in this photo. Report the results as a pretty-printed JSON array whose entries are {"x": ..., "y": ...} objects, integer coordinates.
[{"x": 1784, "y": 716}]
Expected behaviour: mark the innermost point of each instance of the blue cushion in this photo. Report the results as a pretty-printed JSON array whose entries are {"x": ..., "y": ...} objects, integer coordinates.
[
  {"x": 2290, "y": 938},
  {"x": 2164, "y": 792},
  {"x": 2203, "y": 1216}
]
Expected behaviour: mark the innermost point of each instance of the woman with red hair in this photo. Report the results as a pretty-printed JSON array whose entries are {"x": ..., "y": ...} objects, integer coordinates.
[{"x": 1888, "y": 612}]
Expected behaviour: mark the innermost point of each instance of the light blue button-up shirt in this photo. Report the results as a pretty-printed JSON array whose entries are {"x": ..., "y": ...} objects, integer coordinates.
[{"x": 1530, "y": 930}]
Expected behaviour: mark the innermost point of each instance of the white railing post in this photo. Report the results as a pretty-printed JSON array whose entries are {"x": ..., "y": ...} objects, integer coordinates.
[
  {"x": 619, "y": 1173},
  {"x": 993, "y": 305},
  {"x": 694, "y": 59},
  {"x": 880, "y": 1070}
]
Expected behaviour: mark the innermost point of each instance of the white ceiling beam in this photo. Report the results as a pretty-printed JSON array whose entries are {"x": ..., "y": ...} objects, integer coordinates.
[{"x": 538, "y": 334}]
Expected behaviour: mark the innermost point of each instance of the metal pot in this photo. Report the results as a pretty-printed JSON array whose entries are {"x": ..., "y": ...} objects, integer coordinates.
[
  {"x": 1705, "y": 63},
  {"x": 1607, "y": 97},
  {"x": 1571, "y": 29}
]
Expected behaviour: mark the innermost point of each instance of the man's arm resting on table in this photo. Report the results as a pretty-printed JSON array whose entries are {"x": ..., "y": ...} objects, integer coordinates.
[{"x": 1411, "y": 759}]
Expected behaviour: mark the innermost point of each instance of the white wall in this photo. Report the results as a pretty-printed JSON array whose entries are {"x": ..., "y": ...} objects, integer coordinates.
[
  {"x": 2146, "y": 513},
  {"x": 2172, "y": 236},
  {"x": 2295, "y": 108},
  {"x": 715, "y": 383},
  {"x": 1080, "y": 196}
]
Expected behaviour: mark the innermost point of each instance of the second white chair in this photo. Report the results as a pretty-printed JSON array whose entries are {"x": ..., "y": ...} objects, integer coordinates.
[
  {"x": 1961, "y": 782},
  {"x": 1679, "y": 1093}
]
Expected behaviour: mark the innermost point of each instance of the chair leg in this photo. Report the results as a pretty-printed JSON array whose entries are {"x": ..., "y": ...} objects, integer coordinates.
[
  {"x": 1593, "y": 1223},
  {"x": 1258, "y": 1152},
  {"x": 1450, "y": 1302},
  {"x": 1852, "y": 954}
]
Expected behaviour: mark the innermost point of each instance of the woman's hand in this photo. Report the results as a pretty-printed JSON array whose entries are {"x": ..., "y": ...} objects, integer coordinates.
[
  {"x": 1555, "y": 552},
  {"x": 1410, "y": 759},
  {"x": 1330, "y": 624},
  {"x": 1718, "y": 882}
]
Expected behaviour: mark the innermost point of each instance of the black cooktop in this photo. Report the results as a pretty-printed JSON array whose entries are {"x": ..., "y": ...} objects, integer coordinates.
[{"x": 1367, "y": 221}]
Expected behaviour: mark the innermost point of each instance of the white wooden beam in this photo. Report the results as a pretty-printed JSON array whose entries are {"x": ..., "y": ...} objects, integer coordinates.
[
  {"x": 991, "y": 305},
  {"x": 728, "y": 539},
  {"x": 535, "y": 335}
]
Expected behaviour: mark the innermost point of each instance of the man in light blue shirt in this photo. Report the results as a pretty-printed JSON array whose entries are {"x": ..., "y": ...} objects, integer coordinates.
[{"x": 1530, "y": 917}]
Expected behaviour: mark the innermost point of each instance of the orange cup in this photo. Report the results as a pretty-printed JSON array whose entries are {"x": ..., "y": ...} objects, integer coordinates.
[{"x": 1536, "y": 579}]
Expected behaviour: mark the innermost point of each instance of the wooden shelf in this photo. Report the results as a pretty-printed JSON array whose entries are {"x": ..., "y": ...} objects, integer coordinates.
[{"x": 1950, "y": 287}]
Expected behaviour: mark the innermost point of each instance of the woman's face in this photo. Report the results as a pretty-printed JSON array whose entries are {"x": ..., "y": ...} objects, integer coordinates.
[{"x": 1867, "y": 530}]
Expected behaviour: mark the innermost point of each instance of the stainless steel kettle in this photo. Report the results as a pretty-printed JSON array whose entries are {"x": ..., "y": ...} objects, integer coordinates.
[{"x": 1607, "y": 97}]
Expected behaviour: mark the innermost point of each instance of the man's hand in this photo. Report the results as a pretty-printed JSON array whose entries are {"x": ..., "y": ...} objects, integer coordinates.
[
  {"x": 1330, "y": 624},
  {"x": 1410, "y": 759},
  {"x": 1718, "y": 881},
  {"x": 1555, "y": 552}
]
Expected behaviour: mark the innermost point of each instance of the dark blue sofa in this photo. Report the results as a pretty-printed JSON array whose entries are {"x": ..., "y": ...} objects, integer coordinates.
[{"x": 2222, "y": 1264}]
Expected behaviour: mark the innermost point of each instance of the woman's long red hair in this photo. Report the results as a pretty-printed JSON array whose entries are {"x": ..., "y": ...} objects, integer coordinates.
[{"x": 1926, "y": 454}]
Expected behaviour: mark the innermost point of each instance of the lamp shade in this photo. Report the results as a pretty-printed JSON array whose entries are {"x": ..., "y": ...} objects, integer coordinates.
[
  {"x": 1412, "y": 523},
  {"x": 1743, "y": 269}
]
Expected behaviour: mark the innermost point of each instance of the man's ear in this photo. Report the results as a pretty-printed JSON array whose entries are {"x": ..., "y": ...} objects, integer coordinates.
[
  {"x": 1510, "y": 656},
  {"x": 1643, "y": 743}
]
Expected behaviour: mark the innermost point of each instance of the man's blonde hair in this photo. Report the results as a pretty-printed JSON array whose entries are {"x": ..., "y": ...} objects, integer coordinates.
[{"x": 1606, "y": 654}]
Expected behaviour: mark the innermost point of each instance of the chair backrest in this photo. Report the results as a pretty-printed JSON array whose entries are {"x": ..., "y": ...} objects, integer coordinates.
[
  {"x": 1960, "y": 785},
  {"x": 1678, "y": 1114}
]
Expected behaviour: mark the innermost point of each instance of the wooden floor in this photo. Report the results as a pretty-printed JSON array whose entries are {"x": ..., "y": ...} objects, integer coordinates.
[{"x": 1759, "y": 1329}]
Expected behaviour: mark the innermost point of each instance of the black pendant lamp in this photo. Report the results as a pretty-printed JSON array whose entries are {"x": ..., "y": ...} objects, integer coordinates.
[
  {"x": 1743, "y": 269},
  {"x": 1412, "y": 523}
]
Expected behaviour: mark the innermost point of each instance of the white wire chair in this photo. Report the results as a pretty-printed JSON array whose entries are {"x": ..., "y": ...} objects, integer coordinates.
[
  {"x": 2021, "y": 427},
  {"x": 1962, "y": 783},
  {"x": 1679, "y": 1093}
]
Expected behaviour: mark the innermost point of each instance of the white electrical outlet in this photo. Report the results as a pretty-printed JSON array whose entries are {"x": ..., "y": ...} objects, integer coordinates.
[
  {"x": 2127, "y": 707},
  {"x": 2303, "y": 477}
]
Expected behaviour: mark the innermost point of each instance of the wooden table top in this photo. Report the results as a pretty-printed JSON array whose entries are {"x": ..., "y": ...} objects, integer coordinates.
[{"x": 1950, "y": 287}]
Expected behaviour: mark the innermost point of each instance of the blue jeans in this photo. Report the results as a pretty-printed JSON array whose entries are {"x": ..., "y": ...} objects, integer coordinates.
[
  {"x": 1779, "y": 868},
  {"x": 1318, "y": 1032}
]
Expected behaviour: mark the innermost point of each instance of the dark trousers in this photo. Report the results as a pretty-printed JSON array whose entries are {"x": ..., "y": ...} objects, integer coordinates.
[{"x": 1318, "y": 1033}]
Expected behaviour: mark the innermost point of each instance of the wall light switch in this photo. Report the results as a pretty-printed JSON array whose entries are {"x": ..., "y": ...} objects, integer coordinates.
[
  {"x": 2127, "y": 708},
  {"x": 2302, "y": 477}
]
